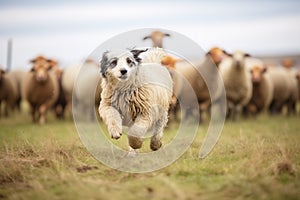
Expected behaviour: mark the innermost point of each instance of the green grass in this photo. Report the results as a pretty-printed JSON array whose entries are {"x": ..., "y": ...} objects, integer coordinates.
[{"x": 254, "y": 159}]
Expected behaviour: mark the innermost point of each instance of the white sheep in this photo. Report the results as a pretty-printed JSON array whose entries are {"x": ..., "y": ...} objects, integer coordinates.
[
  {"x": 282, "y": 91},
  {"x": 237, "y": 82},
  {"x": 16, "y": 77},
  {"x": 87, "y": 89},
  {"x": 68, "y": 80},
  {"x": 157, "y": 38},
  {"x": 293, "y": 88}
]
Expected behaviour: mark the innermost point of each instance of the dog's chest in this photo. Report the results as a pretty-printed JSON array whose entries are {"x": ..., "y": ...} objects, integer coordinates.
[{"x": 121, "y": 101}]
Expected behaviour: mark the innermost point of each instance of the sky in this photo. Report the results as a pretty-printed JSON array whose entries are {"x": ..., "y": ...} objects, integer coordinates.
[{"x": 69, "y": 31}]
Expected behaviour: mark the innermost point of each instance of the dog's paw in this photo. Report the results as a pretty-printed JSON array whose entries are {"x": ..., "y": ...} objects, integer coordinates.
[{"x": 115, "y": 132}]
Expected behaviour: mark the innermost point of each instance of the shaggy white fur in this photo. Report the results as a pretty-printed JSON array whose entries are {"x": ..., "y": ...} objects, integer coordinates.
[{"x": 134, "y": 95}]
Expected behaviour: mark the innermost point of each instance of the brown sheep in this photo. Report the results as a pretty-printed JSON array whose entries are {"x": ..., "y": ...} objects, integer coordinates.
[
  {"x": 262, "y": 90},
  {"x": 7, "y": 93},
  {"x": 40, "y": 88},
  {"x": 61, "y": 102},
  {"x": 207, "y": 68},
  {"x": 157, "y": 38}
]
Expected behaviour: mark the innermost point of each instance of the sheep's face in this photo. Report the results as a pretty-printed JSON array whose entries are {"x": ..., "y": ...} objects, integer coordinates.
[
  {"x": 169, "y": 61},
  {"x": 239, "y": 59},
  {"x": 257, "y": 73},
  {"x": 120, "y": 66},
  {"x": 157, "y": 38},
  {"x": 217, "y": 54},
  {"x": 287, "y": 63},
  {"x": 40, "y": 68}
]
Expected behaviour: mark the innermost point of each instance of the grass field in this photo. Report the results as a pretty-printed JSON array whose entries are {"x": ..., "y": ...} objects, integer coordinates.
[{"x": 254, "y": 159}]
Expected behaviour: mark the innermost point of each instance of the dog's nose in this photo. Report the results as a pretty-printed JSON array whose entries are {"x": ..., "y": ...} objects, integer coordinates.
[{"x": 123, "y": 71}]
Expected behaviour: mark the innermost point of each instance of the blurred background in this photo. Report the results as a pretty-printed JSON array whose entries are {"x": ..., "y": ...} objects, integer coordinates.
[{"x": 70, "y": 30}]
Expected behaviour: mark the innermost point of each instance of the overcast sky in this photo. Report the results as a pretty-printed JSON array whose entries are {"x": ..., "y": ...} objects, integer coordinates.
[{"x": 70, "y": 30}]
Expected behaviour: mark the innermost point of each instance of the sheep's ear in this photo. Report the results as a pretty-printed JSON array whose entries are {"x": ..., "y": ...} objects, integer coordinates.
[
  {"x": 228, "y": 54},
  {"x": 104, "y": 64},
  {"x": 147, "y": 37},
  {"x": 2, "y": 71},
  {"x": 298, "y": 76},
  {"x": 167, "y": 35},
  {"x": 265, "y": 69},
  {"x": 247, "y": 55},
  {"x": 136, "y": 53}
]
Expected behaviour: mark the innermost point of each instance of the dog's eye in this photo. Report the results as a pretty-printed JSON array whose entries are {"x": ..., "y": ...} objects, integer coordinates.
[
  {"x": 113, "y": 63},
  {"x": 128, "y": 61}
]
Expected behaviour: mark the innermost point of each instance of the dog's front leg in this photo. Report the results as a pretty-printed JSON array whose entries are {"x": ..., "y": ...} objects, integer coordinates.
[
  {"x": 137, "y": 132},
  {"x": 112, "y": 119}
]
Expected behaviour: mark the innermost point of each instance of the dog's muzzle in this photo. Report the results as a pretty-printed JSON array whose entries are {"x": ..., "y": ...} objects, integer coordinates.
[{"x": 124, "y": 74}]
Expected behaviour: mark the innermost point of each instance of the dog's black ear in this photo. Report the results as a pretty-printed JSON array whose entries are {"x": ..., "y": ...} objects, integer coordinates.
[
  {"x": 104, "y": 64},
  {"x": 136, "y": 53}
]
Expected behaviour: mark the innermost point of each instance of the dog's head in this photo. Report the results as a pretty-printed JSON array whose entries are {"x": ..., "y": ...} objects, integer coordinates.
[{"x": 119, "y": 65}]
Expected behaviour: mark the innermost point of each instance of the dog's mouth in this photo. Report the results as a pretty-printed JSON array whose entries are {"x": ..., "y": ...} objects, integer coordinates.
[{"x": 123, "y": 77}]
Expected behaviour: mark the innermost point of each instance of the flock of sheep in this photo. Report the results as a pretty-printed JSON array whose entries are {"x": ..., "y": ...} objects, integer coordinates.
[{"x": 251, "y": 85}]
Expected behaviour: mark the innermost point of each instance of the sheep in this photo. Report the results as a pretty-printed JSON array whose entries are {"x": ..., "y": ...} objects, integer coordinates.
[
  {"x": 88, "y": 85},
  {"x": 16, "y": 77},
  {"x": 180, "y": 69},
  {"x": 61, "y": 102},
  {"x": 159, "y": 56},
  {"x": 237, "y": 82},
  {"x": 7, "y": 93},
  {"x": 287, "y": 63},
  {"x": 136, "y": 95},
  {"x": 157, "y": 38},
  {"x": 282, "y": 91},
  {"x": 293, "y": 88},
  {"x": 170, "y": 62},
  {"x": 262, "y": 92},
  {"x": 40, "y": 88},
  {"x": 68, "y": 80},
  {"x": 208, "y": 80}
]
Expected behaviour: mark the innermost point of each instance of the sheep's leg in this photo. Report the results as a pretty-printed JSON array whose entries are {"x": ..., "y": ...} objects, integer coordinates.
[
  {"x": 155, "y": 142},
  {"x": 32, "y": 112},
  {"x": 236, "y": 111},
  {"x": 42, "y": 112},
  {"x": 6, "y": 109},
  {"x": 112, "y": 119}
]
